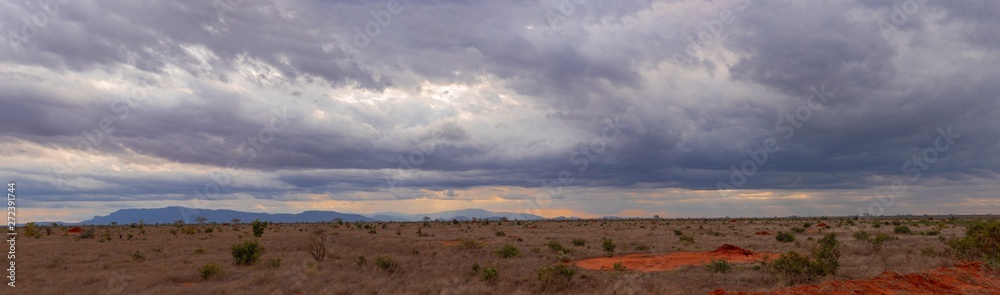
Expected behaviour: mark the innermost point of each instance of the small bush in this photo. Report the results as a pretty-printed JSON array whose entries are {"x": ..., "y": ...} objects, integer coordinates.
[
  {"x": 928, "y": 251},
  {"x": 678, "y": 232},
  {"x": 317, "y": 244},
  {"x": 471, "y": 244},
  {"x": 88, "y": 234},
  {"x": 784, "y": 237},
  {"x": 579, "y": 242},
  {"x": 386, "y": 263},
  {"x": 508, "y": 251},
  {"x": 794, "y": 266},
  {"x": 362, "y": 261},
  {"x": 258, "y": 227},
  {"x": 555, "y": 276},
  {"x": 719, "y": 266},
  {"x": 902, "y": 229},
  {"x": 209, "y": 270},
  {"x": 199, "y": 251},
  {"x": 619, "y": 266},
  {"x": 490, "y": 274},
  {"x": 274, "y": 262},
  {"x": 798, "y": 230},
  {"x": 828, "y": 255},
  {"x": 500, "y": 233},
  {"x": 686, "y": 238},
  {"x": 137, "y": 256},
  {"x": 608, "y": 245},
  {"x": 246, "y": 253},
  {"x": 556, "y": 247}
]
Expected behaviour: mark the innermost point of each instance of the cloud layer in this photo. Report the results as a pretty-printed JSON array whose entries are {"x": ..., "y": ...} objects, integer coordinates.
[{"x": 370, "y": 106}]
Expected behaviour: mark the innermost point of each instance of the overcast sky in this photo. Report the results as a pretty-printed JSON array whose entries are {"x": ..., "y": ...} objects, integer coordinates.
[{"x": 583, "y": 108}]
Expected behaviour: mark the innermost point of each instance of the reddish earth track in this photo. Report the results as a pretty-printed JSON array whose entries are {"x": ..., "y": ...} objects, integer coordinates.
[
  {"x": 762, "y": 233},
  {"x": 965, "y": 278},
  {"x": 650, "y": 263}
]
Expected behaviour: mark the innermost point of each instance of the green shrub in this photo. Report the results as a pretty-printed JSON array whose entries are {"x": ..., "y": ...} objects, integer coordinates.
[
  {"x": 246, "y": 253},
  {"x": 795, "y": 267},
  {"x": 798, "y": 230},
  {"x": 258, "y": 227},
  {"x": 508, "y": 251},
  {"x": 471, "y": 244},
  {"x": 556, "y": 247},
  {"x": 641, "y": 248},
  {"x": 608, "y": 245},
  {"x": 902, "y": 229},
  {"x": 30, "y": 229},
  {"x": 686, "y": 238},
  {"x": 500, "y": 233},
  {"x": 928, "y": 251},
  {"x": 619, "y": 266},
  {"x": 209, "y": 270},
  {"x": 719, "y": 266},
  {"x": 88, "y": 234},
  {"x": 137, "y": 256},
  {"x": 828, "y": 255},
  {"x": 274, "y": 262},
  {"x": 784, "y": 237},
  {"x": 579, "y": 242},
  {"x": 386, "y": 263},
  {"x": 981, "y": 241},
  {"x": 678, "y": 232},
  {"x": 362, "y": 261},
  {"x": 861, "y": 235},
  {"x": 491, "y": 274},
  {"x": 555, "y": 276}
]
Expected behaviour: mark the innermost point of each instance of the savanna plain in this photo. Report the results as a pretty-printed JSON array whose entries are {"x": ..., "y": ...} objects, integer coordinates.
[{"x": 906, "y": 255}]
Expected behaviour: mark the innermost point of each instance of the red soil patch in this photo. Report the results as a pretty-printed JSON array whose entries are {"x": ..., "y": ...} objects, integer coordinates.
[
  {"x": 821, "y": 225},
  {"x": 762, "y": 233},
  {"x": 965, "y": 278},
  {"x": 75, "y": 230},
  {"x": 449, "y": 242},
  {"x": 734, "y": 220},
  {"x": 650, "y": 263}
]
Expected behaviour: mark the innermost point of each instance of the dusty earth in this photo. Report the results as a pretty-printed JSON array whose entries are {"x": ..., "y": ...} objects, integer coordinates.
[
  {"x": 651, "y": 263},
  {"x": 964, "y": 278}
]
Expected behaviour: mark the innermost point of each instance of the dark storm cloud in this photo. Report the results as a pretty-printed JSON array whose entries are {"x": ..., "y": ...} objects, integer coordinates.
[{"x": 541, "y": 93}]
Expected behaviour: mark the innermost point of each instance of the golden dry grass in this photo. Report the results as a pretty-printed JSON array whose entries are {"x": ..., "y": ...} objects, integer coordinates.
[{"x": 437, "y": 264}]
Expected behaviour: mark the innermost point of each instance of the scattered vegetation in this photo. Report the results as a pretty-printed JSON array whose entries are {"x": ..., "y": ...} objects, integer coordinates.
[
  {"x": 902, "y": 229},
  {"x": 981, "y": 241},
  {"x": 555, "y": 277},
  {"x": 579, "y": 242}
]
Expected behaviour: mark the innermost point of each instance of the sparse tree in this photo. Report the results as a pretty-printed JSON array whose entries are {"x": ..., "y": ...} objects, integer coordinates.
[
  {"x": 235, "y": 220},
  {"x": 200, "y": 219},
  {"x": 427, "y": 218},
  {"x": 657, "y": 217}
]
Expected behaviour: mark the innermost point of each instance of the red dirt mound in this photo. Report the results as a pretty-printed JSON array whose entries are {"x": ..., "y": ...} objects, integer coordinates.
[
  {"x": 75, "y": 230},
  {"x": 734, "y": 220},
  {"x": 965, "y": 278},
  {"x": 762, "y": 233},
  {"x": 821, "y": 225},
  {"x": 449, "y": 242},
  {"x": 728, "y": 249},
  {"x": 649, "y": 263}
]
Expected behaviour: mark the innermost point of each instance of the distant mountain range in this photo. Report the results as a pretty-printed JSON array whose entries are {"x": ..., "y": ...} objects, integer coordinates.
[{"x": 191, "y": 215}]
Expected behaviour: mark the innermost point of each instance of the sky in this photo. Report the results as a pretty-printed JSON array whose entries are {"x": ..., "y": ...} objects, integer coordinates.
[{"x": 556, "y": 108}]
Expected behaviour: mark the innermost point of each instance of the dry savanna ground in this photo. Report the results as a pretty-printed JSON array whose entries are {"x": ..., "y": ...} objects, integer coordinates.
[{"x": 459, "y": 258}]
